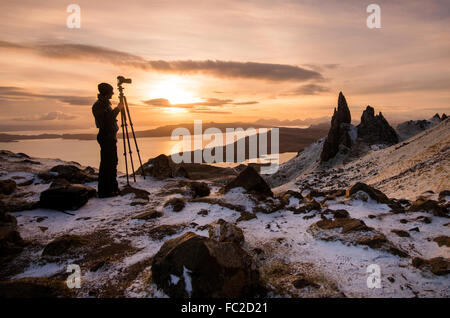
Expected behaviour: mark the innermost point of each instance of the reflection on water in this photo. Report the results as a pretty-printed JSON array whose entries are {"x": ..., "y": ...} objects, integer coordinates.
[{"x": 87, "y": 152}]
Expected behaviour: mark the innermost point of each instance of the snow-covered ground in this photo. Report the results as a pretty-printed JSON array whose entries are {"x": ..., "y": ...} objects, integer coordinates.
[{"x": 117, "y": 261}]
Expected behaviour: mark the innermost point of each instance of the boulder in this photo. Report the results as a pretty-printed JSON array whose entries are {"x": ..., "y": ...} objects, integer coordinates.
[
  {"x": 355, "y": 232},
  {"x": 161, "y": 231},
  {"x": 7, "y": 186},
  {"x": 196, "y": 266},
  {"x": 71, "y": 173},
  {"x": 339, "y": 133},
  {"x": 223, "y": 231},
  {"x": 138, "y": 193},
  {"x": 375, "y": 194},
  {"x": 423, "y": 204},
  {"x": 438, "y": 265},
  {"x": 148, "y": 215},
  {"x": 176, "y": 204},
  {"x": 246, "y": 216},
  {"x": 199, "y": 189},
  {"x": 376, "y": 129},
  {"x": 10, "y": 241},
  {"x": 160, "y": 167},
  {"x": 64, "y": 244},
  {"x": 401, "y": 233},
  {"x": 443, "y": 195},
  {"x": 65, "y": 196},
  {"x": 251, "y": 181},
  {"x": 34, "y": 288},
  {"x": 442, "y": 240},
  {"x": 309, "y": 206}
]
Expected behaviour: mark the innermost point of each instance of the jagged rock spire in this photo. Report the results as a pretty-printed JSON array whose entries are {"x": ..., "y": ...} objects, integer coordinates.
[
  {"x": 338, "y": 133},
  {"x": 376, "y": 129}
]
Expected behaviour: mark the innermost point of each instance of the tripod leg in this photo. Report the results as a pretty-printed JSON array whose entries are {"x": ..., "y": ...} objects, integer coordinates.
[
  {"x": 122, "y": 114},
  {"x": 129, "y": 146},
  {"x": 134, "y": 136}
]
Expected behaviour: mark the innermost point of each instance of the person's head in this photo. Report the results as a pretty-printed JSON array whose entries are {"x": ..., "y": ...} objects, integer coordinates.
[{"x": 105, "y": 90}]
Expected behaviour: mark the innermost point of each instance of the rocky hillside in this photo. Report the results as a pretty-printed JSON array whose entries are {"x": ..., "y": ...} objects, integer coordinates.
[
  {"x": 375, "y": 156},
  {"x": 226, "y": 235},
  {"x": 354, "y": 199}
]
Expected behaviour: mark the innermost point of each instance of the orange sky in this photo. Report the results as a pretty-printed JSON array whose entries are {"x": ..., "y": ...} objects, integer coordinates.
[{"x": 222, "y": 61}]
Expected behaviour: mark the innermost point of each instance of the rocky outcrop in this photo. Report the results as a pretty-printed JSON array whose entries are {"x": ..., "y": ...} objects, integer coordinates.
[
  {"x": 39, "y": 287},
  {"x": 64, "y": 244},
  {"x": 375, "y": 194},
  {"x": 70, "y": 173},
  {"x": 7, "y": 186},
  {"x": 251, "y": 181},
  {"x": 424, "y": 204},
  {"x": 160, "y": 167},
  {"x": 376, "y": 129},
  {"x": 196, "y": 266},
  {"x": 199, "y": 189},
  {"x": 148, "y": 215},
  {"x": 339, "y": 133},
  {"x": 223, "y": 231},
  {"x": 63, "y": 195},
  {"x": 353, "y": 231},
  {"x": 438, "y": 265},
  {"x": 176, "y": 204},
  {"x": 10, "y": 241}
]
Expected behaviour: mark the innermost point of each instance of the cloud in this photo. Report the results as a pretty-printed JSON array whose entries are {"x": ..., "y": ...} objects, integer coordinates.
[
  {"x": 208, "y": 111},
  {"x": 11, "y": 93},
  {"x": 308, "y": 89},
  {"x": 209, "y": 102},
  {"x": 215, "y": 68},
  {"x": 56, "y": 115}
]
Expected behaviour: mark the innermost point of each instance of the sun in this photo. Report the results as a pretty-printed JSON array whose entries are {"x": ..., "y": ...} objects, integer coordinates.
[{"x": 176, "y": 90}]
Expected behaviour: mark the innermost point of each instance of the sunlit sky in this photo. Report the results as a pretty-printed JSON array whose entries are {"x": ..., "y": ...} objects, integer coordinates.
[{"x": 221, "y": 61}]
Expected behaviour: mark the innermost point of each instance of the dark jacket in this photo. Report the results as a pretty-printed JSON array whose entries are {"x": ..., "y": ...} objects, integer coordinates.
[{"x": 105, "y": 118}]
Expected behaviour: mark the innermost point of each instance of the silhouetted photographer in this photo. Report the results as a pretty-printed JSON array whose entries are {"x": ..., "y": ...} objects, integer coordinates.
[{"x": 106, "y": 122}]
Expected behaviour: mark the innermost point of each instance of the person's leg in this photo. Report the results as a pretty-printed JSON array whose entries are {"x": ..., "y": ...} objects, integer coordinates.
[
  {"x": 114, "y": 167},
  {"x": 109, "y": 166},
  {"x": 102, "y": 174}
]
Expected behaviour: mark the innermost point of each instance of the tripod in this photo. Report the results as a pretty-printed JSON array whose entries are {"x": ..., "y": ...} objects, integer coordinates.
[{"x": 124, "y": 113}]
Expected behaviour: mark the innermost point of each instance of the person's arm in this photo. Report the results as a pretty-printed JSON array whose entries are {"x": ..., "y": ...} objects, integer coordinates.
[{"x": 117, "y": 110}]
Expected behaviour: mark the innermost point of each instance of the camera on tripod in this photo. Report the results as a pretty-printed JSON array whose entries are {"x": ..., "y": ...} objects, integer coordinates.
[
  {"x": 122, "y": 80},
  {"x": 124, "y": 113}
]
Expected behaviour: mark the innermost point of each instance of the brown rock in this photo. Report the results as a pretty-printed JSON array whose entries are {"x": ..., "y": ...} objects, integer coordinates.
[
  {"x": 423, "y": 204},
  {"x": 223, "y": 231},
  {"x": 159, "y": 232},
  {"x": 7, "y": 186},
  {"x": 375, "y": 194},
  {"x": 64, "y": 244},
  {"x": 138, "y": 193},
  {"x": 34, "y": 288},
  {"x": 245, "y": 216},
  {"x": 176, "y": 204},
  {"x": 401, "y": 233},
  {"x": 438, "y": 265},
  {"x": 347, "y": 225},
  {"x": 196, "y": 266},
  {"x": 442, "y": 240},
  {"x": 65, "y": 196},
  {"x": 152, "y": 214},
  {"x": 251, "y": 181},
  {"x": 199, "y": 189}
]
